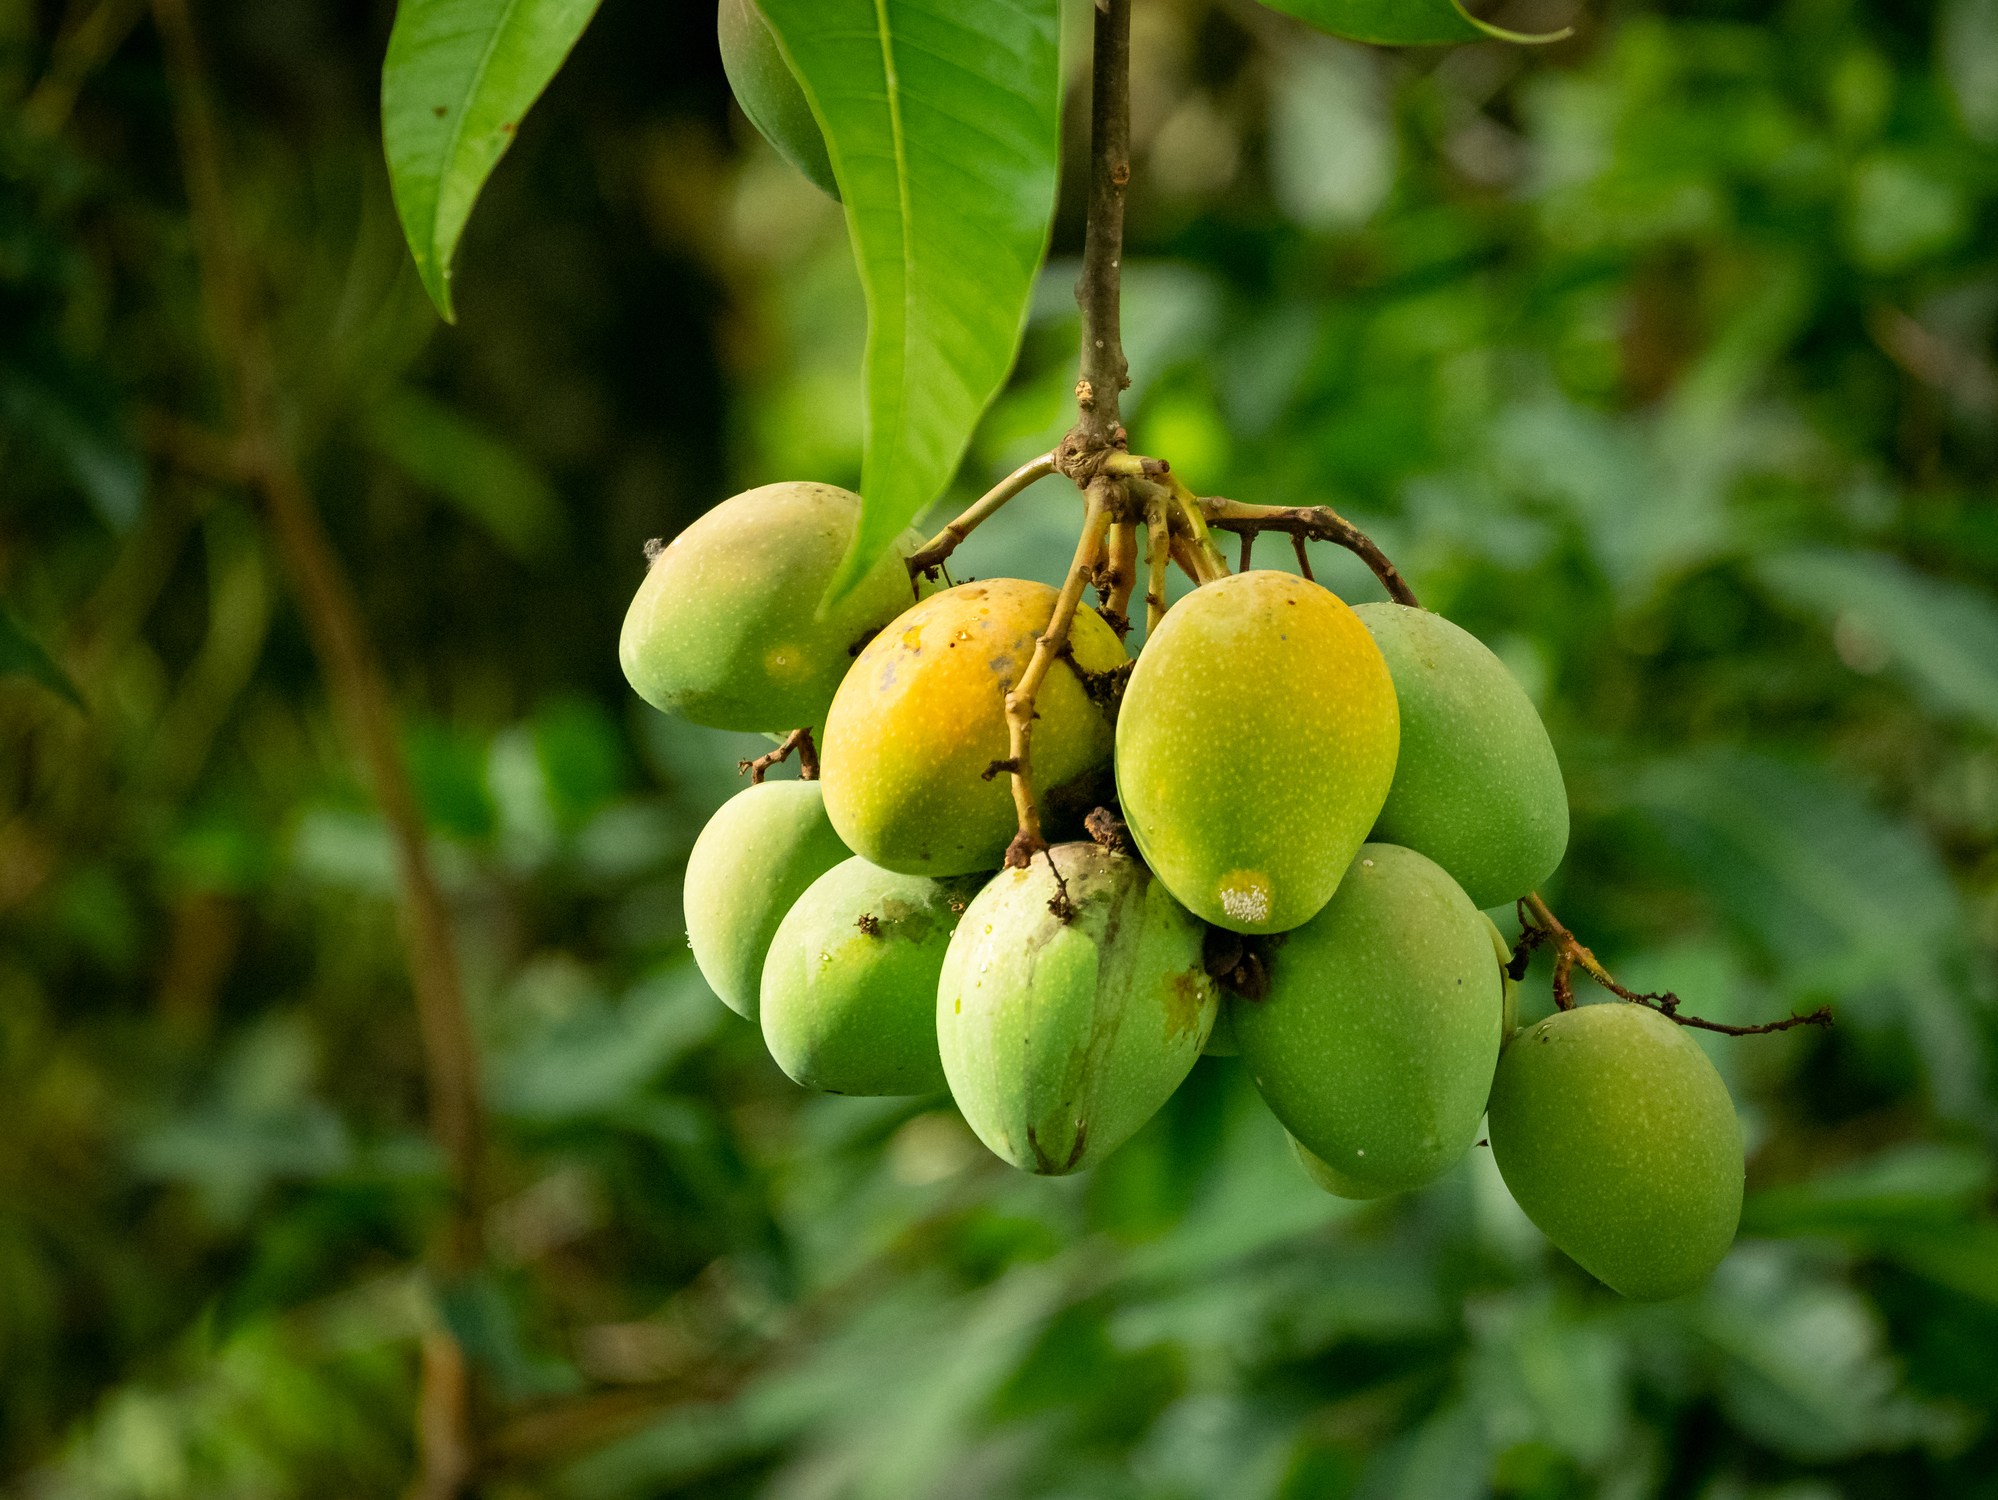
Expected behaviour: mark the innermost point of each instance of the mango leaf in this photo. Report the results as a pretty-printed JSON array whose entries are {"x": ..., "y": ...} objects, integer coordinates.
[
  {"x": 22, "y": 653},
  {"x": 943, "y": 123},
  {"x": 1404, "y": 23},
  {"x": 458, "y": 77}
]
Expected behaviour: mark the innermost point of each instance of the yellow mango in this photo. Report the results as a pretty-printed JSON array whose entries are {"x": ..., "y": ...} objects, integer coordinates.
[
  {"x": 1255, "y": 746},
  {"x": 922, "y": 716}
]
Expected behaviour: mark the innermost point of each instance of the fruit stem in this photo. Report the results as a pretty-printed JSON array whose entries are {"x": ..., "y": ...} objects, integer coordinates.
[
  {"x": 799, "y": 740},
  {"x": 1099, "y": 499},
  {"x": 945, "y": 542},
  {"x": 1570, "y": 953},
  {"x": 1122, "y": 581},
  {"x": 1312, "y": 522},
  {"x": 1158, "y": 549}
]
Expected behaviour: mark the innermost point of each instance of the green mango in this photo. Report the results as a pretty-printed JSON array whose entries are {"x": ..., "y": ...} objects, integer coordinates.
[
  {"x": 726, "y": 629},
  {"x": 1060, "y": 1037},
  {"x": 1509, "y": 1016},
  {"x": 769, "y": 92},
  {"x": 757, "y": 855},
  {"x": 1477, "y": 787},
  {"x": 1618, "y": 1139},
  {"x": 850, "y": 982},
  {"x": 920, "y": 719},
  {"x": 1221, "y": 1040},
  {"x": 1329, "y": 1177},
  {"x": 1376, "y": 1043},
  {"x": 1254, "y": 747}
]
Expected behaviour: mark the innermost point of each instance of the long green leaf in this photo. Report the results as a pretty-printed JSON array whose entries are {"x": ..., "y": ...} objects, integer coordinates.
[
  {"x": 21, "y": 653},
  {"x": 1405, "y": 23},
  {"x": 942, "y": 118},
  {"x": 458, "y": 77}
]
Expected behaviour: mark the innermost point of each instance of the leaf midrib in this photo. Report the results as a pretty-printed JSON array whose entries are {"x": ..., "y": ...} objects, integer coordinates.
[
  {"x": 894, "y": 96},
  {"x": 458, "y": 131}
]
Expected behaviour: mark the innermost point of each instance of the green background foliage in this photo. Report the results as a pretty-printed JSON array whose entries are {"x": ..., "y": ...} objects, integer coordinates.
[{"x": 1661, "y": 358}]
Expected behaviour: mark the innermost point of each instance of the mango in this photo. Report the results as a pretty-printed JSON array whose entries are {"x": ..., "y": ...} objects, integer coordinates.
[
  {"x": 1376, "y": 1043},
  {"x": 850, "y": 982},
  {"x": 1329, "y": 1177},
  {"x": 1618, "y": 1139},
  {"x": 1509, "y": 1016},
  {"x": 769, "y": 92},
  {"x": 725, "y": 629},
  {"x": 1477, "y": 787},
  {"x": 1254, "y": 747},
  {"x": 1061, "y": 1035},
  {"x": 757, "y": 855},
  {"x": 922, "y": 717}
]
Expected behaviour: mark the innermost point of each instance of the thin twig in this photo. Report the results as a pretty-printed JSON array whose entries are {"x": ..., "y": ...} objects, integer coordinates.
[
  {"x": 1303, "y": 557},
  {"x": 1570, "y": 953},
  {"x": 1028, "y": 842},
  {"x": 799, "y": 740},
  {"x": 945, "y": 542},
  {"x": 359, "y": 686},
  {"x": 1248, "y": 550},
  {"x": 1316, "y": 522},
  {"x": 1123, "y": 579},
  {"x": 1158, "y": 556}
]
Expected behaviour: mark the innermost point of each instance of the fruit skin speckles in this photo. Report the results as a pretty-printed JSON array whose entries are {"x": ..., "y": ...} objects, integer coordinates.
[
  {"x": 724, "y": 631},
  {"x": 914, "y": 729},
  {"x": 1258, "y": 735},
  {"x": 1617, "y": 1137},
  {"x": 1061, "y": 1038},
  {"x": 1376, "y": 1043}
]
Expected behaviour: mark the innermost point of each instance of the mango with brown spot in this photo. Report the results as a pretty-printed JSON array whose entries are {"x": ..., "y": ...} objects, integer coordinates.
[
  {"x": 1070, "y": 1008},
  {"x": 921, "y": 718}
]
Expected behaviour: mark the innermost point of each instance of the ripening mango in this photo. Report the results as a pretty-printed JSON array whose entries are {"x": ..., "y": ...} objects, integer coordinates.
[
  {"x": 769, "y": 92},
  {"x": 1618, "y": 1138},
  {"x": 1376, "y": 1043},
  {"x": 725, "y": 629},
  {"x": 850, "y": 982},
  {"x": 756, "y": 856},
  {"x": 1477, "y": 787},
  {"x": 1060, "y": 1037},
  {"x": 1254, "y": 747},
  {"x": 922, "y": 716}
]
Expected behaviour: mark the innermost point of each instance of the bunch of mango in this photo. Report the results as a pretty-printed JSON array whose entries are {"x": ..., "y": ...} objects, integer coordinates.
[{"x": 1314, "y": 804}]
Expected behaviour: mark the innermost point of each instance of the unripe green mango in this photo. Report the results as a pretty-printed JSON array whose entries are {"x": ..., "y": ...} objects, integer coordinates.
[
  {"x": 1509, "y": 1016},
  {"x": 850, "y": 983},
  {"x": 1254, "y": 747},
  {"x": 1061, "y": 1038},
  {"x": 769, "y": 92},
  {"x": 1477, "y": 787},
  {"x": 1221, "y": 1040},
  {"x": 757, "y": 855},
  {"x": 724, "y": 629},
  {"x": 1618, "y": 1138},
  {"x": 1329, "y": 1177},
  {"x": 922, "y": 717},
  {"x": 1376, "y": 1043}
]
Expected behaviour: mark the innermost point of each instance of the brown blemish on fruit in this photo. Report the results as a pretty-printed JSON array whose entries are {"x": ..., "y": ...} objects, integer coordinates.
[{"x": 1186, "y": 996}]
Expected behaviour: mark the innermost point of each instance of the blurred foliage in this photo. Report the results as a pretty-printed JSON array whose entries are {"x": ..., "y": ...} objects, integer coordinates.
[{"x": 1663, "y": 359}]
